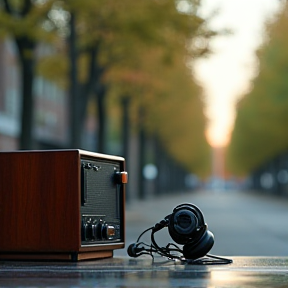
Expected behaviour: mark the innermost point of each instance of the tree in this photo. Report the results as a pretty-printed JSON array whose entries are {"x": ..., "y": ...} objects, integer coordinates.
[
  {"x": 21, "y": 19},
  {"x": 173, "y": 109},
  {"x": 260, "y": 131},
  {"x": 120, "y": 40},
  {"x": 141, "y": 53}
]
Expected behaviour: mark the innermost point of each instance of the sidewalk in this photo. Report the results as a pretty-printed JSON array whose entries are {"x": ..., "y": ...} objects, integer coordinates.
[{"x": 243, "y": 224}]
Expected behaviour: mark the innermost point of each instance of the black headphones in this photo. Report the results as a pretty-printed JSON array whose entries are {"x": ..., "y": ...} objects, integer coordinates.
[{"x": 186, "y": 227}]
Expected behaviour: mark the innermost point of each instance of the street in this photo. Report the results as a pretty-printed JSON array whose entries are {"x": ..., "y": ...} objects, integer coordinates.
[{"x": 243, "y": 224}]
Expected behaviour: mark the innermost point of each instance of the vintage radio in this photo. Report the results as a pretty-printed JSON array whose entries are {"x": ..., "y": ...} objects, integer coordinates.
[{"x": 61, "y": 204}]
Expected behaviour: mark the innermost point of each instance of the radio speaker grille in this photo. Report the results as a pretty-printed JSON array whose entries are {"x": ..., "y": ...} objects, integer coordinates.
[{"x": 100, "y": 189}]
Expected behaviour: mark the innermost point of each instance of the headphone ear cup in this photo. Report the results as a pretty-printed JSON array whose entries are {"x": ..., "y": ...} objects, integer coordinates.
[
  {"x": 183, "y": 223},
  {"x": 200, "y": 248}
]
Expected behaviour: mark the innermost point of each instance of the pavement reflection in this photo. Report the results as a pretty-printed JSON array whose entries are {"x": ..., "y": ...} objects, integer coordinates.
[{"x": 126, "y": 272}]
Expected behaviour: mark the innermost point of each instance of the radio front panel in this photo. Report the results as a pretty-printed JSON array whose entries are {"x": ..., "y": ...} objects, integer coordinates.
[{"x": 101, "y": 203}]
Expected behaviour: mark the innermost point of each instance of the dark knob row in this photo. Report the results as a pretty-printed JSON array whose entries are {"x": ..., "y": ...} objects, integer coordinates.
[{"x": 95, "y": 231}]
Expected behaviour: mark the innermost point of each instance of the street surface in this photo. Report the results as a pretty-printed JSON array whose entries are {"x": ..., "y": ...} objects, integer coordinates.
[{"x": 244, "y": 224}]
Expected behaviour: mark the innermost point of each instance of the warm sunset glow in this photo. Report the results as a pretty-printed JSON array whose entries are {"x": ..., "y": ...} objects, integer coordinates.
[{"x": 216, "y": 138}]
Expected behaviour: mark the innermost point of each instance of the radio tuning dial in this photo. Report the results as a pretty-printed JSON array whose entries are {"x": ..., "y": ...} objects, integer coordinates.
[
  {"x": 99, "y": 228},
  {"x": 90, "y": 230},
  {"x": 108, "y": 232}
]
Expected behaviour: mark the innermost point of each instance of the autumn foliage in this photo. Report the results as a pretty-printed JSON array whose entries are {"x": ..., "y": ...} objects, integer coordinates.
[
  {"x": 260, "y": 131},
  {"x": 137, "y": 49}
]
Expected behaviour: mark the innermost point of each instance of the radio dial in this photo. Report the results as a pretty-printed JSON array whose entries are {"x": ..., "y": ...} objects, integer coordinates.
[
  {"x": 108, "y": 232},
  {"x": 89, "y": 232},
  {"x": 83, "y": 231},
  {"x": 99, "y": 228}
]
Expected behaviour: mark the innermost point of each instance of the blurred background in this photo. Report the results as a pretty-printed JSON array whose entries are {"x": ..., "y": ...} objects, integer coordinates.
[{"x": 192, "y": 93}]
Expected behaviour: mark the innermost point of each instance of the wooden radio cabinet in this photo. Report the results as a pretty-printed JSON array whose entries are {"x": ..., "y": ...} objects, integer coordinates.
[{"x": 61, "y": 204}]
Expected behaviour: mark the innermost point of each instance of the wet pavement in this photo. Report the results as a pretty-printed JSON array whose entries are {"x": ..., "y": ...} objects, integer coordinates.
[
  {"x": 127, "y": 272},
  {"x": 244, "y": 225}
]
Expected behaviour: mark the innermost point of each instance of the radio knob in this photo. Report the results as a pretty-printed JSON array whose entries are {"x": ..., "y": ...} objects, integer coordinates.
[
  {"x": 88, "y": 166},
  {"x": 96, "y": 168},
  {"x": 98, "y": 231},
  {"x": 94, "y": 231},
  {"x": 104, "y": 231},
  {"x": 89, "y": 232},
  {"x": 121, "y": 177},
  {"x": 108, "y": 232},
  {"x": 83, "y": 231}
]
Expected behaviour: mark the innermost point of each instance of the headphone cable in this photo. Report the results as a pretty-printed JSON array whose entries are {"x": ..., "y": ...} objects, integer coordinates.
[{"x": 209, "y": 260}]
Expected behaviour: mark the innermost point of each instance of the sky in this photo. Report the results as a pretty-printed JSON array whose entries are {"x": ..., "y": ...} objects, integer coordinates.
[{"x": 226, "y": 74}]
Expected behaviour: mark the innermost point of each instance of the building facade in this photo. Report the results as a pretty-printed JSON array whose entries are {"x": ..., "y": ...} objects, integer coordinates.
[{"x": 50, "y": 117}]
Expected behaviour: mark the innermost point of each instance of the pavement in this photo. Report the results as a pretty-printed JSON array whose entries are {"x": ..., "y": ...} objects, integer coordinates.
[
  {"x": 244, "y": 272},
  {"x": 243, "y": 223}
]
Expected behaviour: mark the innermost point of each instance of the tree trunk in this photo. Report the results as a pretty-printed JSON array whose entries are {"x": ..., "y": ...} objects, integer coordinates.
[
  {"x": 100, "y": 98},
  {"x": 87, "y": 89},
  {"x": 142, "y": 149},
  {"x": 26, "y": 49},
  {"x": 74, "y": 115},
  {"x": 92, "y": 86},
  {"x": 126, "y": 136},
  {"x": 125, "y": 126}
]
